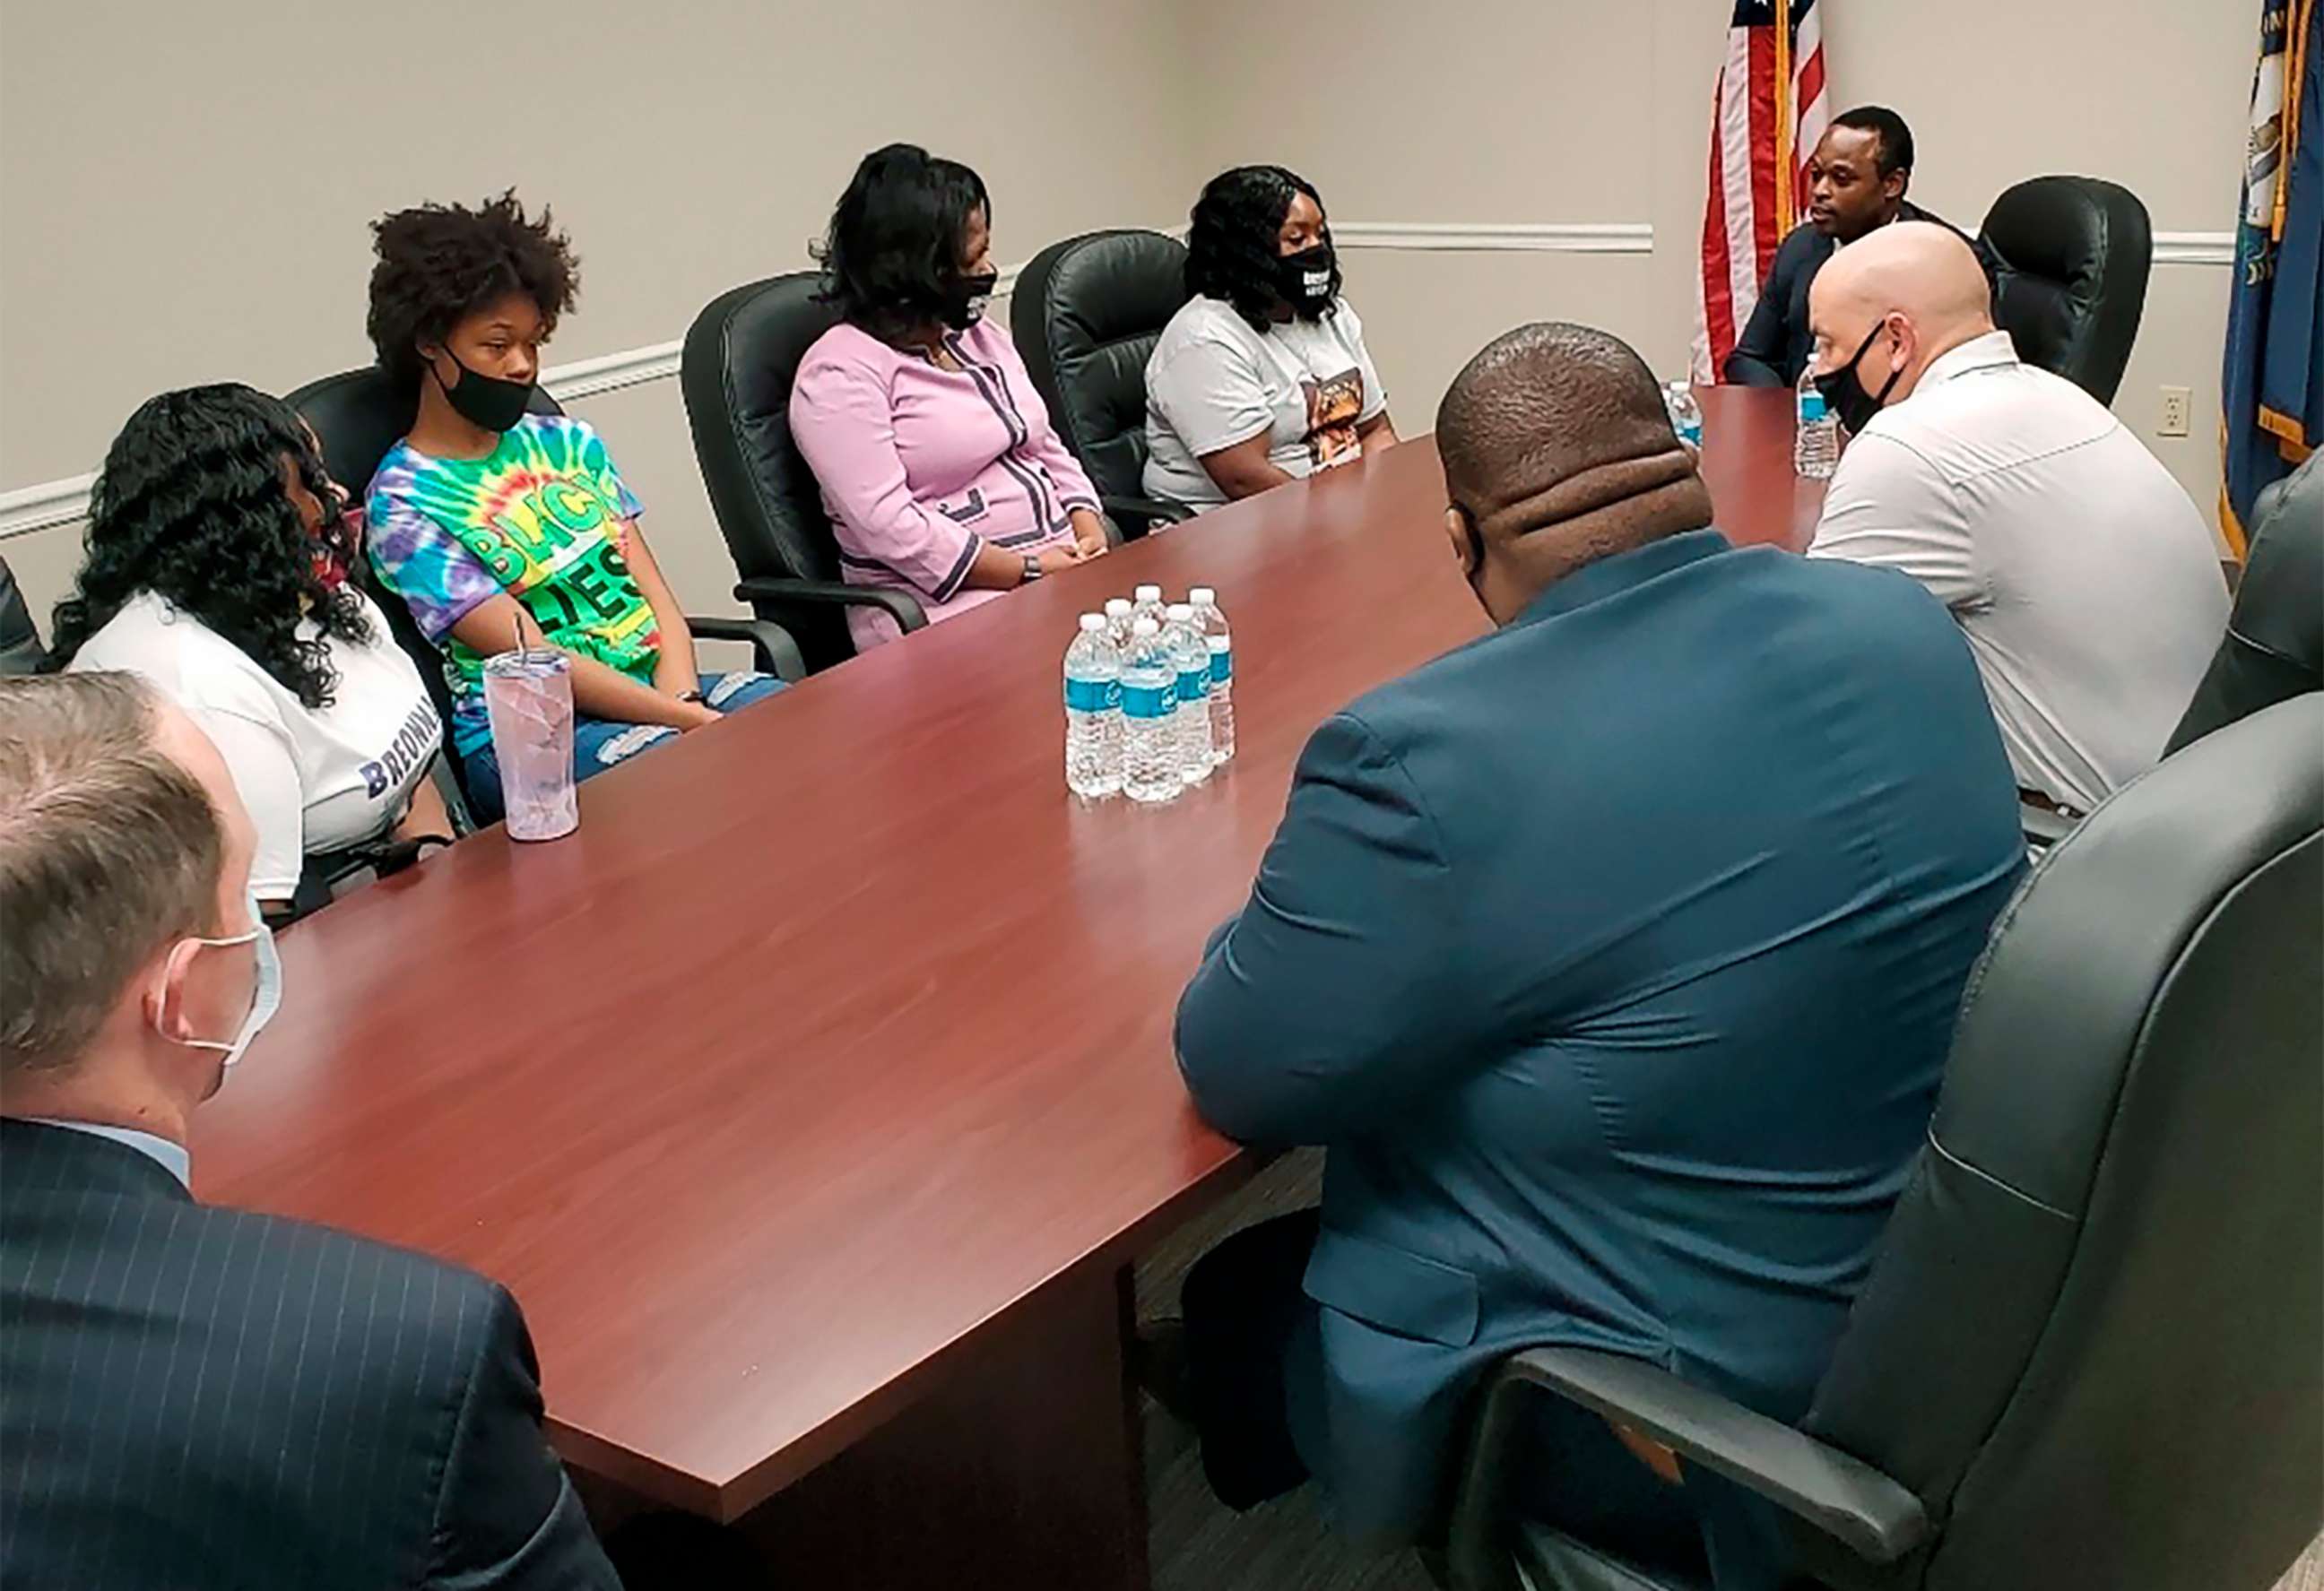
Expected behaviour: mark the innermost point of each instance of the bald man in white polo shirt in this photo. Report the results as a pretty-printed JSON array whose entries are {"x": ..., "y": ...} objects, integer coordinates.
[{"x": 2086, "y": 582}]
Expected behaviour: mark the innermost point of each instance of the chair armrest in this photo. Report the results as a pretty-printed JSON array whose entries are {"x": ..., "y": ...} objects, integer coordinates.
[
  {"x": 770, "y": 644},
  {"x": 447, "y": 779},
  {"x": 2043, "y": 828},
  {"x": 1844, "y": 1498},
  {"x": 899, "y": 605},
  {"x": 1139, "y": 515}
]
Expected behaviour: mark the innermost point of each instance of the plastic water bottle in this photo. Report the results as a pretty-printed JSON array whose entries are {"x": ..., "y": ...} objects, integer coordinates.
[
  {"x": 1815, "y": 445},
  {"x": 1092, "y": 712},
  {"x": 1219, "y": 641},
  {"x": 1148, "y": 604},
  {"x": 1149, "y": 687},
  {"x": 1685, "y": 413},
  {"x": 1191, "y": 654},
  {"x": 1117, "y": 622}
]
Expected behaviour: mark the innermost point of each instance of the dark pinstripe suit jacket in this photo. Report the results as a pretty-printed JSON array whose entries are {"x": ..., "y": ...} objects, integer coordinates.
[{"x": 195, "y": 1398}]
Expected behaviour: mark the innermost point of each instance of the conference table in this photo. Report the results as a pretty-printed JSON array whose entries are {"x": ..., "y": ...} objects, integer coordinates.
[{"x": 814, "y": 1096}]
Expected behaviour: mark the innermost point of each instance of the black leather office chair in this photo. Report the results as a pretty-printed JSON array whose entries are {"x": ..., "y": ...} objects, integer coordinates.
[
  {"x": 2092, "y": 1352},
  {"x": 358, "y": 415},
  {"x": 741, "y": 354},
  {"x": 20, "y": 651},
  {"x": 2274, "y": 644},
  {"x": 1087, "y": 314},
  {"x": 2070, "y": 257}
]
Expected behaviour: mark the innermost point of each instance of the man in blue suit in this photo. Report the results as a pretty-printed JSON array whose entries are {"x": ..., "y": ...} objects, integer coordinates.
[{"x": 1614, "y": 958}]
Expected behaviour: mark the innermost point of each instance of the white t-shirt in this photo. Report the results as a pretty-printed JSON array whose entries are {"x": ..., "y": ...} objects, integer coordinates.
[
  {"x": 2088, "y": 585},
  {"x": 1212, "y": 382},
  {"x": 315, "y": 780}
]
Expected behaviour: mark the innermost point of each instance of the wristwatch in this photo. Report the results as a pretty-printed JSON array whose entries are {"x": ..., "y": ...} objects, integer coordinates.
[{"x": 1032, "y": 570}]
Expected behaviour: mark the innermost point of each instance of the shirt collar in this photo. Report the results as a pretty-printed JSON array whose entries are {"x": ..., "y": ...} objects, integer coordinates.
[
  {"x": 1986, "y": 353},
  {"x": 171, "y": 1157},
  {"x": 1608, "y": 577}
]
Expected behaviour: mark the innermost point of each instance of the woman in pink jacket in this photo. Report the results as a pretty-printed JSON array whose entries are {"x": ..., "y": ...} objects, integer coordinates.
[{"x": 940, "y": 469}]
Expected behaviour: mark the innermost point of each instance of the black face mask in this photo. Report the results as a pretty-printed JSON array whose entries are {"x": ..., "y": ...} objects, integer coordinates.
[
  {"x": 1844, "y": 394},
  {"x": 965, "y": 299},
  {"x": 485, "y": 400},
  {"x": 1305, "y": 278}
]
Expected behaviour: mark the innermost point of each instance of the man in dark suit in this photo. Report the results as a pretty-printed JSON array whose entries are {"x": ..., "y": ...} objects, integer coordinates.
[
  {"x": 1856, "y": 177},
  {"x": 194, "y": 1397},
  {"x": 1614, "y": 958}
]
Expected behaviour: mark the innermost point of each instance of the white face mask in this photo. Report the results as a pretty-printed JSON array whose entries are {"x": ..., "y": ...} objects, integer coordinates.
[{"x": 266, "y": 995}]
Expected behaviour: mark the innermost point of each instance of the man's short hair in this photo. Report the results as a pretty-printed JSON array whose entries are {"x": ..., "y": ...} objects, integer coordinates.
[
  {"x": 109, "y": 850},
  {"x": 1895, "y": 138},
  {"x": 1540, "y": 403}
]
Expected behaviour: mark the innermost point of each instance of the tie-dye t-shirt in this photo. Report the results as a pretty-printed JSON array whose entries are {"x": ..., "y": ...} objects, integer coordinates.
[{"x": 544, "y": 518}]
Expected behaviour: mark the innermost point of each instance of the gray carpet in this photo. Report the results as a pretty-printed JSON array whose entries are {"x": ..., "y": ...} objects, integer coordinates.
[{"x": 1286, "y": 1545}]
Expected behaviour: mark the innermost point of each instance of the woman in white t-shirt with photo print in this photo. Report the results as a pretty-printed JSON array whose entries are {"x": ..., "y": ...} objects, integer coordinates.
[
  {"x": 218, "y": 560},
  {"x": 1263, "y": 376}
]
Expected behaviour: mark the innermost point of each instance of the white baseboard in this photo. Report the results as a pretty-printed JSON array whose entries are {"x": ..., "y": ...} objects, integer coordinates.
[
  {"x": 1588, "y": 237},
  {"x": 2194, "y": 248}
]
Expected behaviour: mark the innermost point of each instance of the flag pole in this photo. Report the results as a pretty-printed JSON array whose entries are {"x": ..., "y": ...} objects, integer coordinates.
[{"x": 1785, "y": 134}]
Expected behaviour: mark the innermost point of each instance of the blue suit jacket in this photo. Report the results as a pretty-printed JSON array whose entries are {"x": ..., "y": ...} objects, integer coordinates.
[{"x": 1615, "y": 957}]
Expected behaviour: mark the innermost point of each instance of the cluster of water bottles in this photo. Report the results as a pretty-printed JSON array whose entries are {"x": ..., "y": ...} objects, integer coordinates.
[
  {"x": 1816, "y": 441},
  {"x": 1149, "y": 697}
]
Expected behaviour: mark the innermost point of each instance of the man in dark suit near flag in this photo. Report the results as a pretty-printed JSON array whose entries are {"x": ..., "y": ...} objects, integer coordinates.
[{"x": 1857, "y": 179}]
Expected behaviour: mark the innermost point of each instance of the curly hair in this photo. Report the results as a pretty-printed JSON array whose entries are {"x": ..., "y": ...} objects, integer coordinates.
[
  {"x": 1232, "y": 251},
  {"x": 893, "y": 250},
  {"x": 440, "y": 263},
  {"x": 191, "y": 506}
]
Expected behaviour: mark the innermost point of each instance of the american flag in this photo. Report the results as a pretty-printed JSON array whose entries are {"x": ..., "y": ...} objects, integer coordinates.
[{"x": 1770, "y": 109}]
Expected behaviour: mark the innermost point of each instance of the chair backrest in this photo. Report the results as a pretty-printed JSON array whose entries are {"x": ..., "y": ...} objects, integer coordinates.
[
  {"x": 2070, "y": 258},
  {"x": 742, "y": 355},
  {"x": 21, "y": 650},
  {"x": 2093, "y": 1342},
  {"x": 1085, "y": 315}
]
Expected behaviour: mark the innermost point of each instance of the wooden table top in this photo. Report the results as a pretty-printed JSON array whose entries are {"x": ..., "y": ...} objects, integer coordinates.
[{"x": 839, "y": 1028}]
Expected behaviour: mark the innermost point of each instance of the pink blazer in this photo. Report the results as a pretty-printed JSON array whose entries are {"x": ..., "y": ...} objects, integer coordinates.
[{"x": 922, "y": 466}]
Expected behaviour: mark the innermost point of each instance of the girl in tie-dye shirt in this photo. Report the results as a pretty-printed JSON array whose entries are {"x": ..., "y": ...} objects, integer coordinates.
[{"x": 488, "y": 518}]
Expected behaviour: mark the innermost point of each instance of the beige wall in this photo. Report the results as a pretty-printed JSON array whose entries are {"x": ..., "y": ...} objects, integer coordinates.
[
  {"x": 185, "y": 190},
  {"x": 1495, "y": 112}
]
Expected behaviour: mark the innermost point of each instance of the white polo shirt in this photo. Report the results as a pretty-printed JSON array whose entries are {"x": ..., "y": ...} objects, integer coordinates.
[{"x": 2085, "y": 581}]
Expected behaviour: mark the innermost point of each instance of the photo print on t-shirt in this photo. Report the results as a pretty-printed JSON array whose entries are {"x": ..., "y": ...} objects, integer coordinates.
[{"x": 1332, "y": 405}]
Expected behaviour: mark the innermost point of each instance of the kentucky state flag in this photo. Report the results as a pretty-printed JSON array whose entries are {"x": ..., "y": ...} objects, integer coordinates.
[{"x": 2272, "y": 389}]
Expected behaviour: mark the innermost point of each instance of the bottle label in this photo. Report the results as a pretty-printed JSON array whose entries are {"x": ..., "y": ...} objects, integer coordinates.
[
  {"x": 1222, "y": 660},
  {"x": 1148, "y": 701},
  {"x": 1194, "y": 684},
  {"x": 1091, "y": 695},
  {"x": 1810, "y": 407}
]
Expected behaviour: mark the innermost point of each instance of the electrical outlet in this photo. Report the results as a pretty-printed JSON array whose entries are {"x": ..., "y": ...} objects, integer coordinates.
[{"x": 2176, "y": 403}]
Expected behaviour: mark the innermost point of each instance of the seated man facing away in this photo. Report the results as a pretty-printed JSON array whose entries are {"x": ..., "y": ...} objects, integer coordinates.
[
  {"x": 2086, "y": 582},
  {"x": 1614, "y": 958},
  {"x": 196, "y": 1397},
  {"x": 2275, "y": 644},
  {"x": 1857, "y": 179}
]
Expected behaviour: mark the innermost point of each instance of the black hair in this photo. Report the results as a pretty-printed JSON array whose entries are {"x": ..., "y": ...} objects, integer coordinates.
[
  {"x": 1553, "y": 396},
  {"x": 893, "y": 254},
  {"x": 1895, "y": 138},
  {"x": 191, "y": 506},
  {"x": 1232, "y": 240},
  {"x": 440, "y": 263}
]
